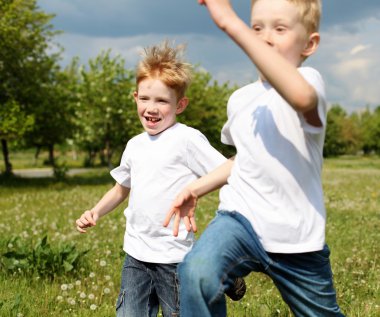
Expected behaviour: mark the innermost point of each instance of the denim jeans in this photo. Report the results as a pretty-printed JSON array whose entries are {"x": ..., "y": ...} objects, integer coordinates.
[
  {"x": 145, "y": 287},
  {"x": 230, "y": 248}
]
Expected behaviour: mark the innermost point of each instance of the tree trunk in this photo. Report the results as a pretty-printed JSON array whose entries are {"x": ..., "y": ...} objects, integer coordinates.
[
  {"x": 51, "y": 154},
  {"x": 8, "y": 165}
]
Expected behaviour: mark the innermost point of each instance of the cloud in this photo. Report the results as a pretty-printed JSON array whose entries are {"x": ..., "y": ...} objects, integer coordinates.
[
  {"x": 359, "y": 48},
  {"x": 347, "y": 58}
]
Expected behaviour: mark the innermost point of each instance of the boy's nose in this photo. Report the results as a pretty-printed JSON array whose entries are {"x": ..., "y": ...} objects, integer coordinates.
[
  {"x": 152, "y": 109},
  {"x": 267, "y": 37}
]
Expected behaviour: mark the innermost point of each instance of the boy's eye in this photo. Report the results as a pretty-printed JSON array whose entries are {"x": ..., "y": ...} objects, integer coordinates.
[
  {"x": 256, "y": 28},
  {"x": 280, "y": 29}
]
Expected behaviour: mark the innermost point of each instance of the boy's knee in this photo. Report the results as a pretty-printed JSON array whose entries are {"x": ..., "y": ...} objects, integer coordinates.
[{"x": 200, "y": 276}]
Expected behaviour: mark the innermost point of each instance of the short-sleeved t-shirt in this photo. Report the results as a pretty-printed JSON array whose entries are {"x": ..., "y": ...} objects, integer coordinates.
[
  {"x": 156, "y": 168},
  {"x": 276, "y": 178}
]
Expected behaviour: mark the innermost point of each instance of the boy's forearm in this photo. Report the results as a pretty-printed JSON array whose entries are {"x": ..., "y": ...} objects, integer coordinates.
[
  {"x": 279, "y": 72},
  {"x": 212, "y": 181},
  {"x": 114, "y": 197}
]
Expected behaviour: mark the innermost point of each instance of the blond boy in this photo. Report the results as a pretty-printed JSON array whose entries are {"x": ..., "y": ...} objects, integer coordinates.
[
  {"x": 154, "y": 167},
  {"x": 272, "y": 215}
]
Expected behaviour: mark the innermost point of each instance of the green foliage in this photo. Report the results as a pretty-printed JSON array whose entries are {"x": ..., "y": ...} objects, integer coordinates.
[
  {"x": 41, "y": 259},
  {"x": 207, "y": 108},
  {"x": 105, "y": 108}
]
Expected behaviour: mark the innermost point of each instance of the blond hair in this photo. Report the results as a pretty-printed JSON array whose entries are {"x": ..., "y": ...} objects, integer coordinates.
[
  {"x": 310, "y": 13},
  {"x": 166, "y": 64}
]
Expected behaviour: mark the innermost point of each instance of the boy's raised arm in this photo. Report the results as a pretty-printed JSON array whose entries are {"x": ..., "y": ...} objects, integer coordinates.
[
  {"x": 185, "y": 203},
  {"x": 279, "y": 72}
]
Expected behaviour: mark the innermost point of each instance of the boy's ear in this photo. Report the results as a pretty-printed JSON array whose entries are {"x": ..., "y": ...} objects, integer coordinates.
[
  {"x": 182, "y": 104},
  {"x": 312, "y": 44},
  {"x": 135, "y": 94}
]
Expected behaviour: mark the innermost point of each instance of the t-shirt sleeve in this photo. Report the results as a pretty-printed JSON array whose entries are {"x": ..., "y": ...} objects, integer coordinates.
[
  {"x": 314, "y": 78},
  {"x": 122, "y": 173},
  {"x": 226, "y": 137},
  {"x": 202, "y": 157}
]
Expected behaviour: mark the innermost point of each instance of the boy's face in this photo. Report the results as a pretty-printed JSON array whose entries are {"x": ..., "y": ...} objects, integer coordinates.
[
  {"x": 278, "y": 23},
  {"x": 157, "y": 105}
]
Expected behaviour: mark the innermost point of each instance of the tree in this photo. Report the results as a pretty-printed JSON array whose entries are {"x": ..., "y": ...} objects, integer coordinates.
[
  {"x": 25, "y": 35},
  {"x": 207, "y": 108},
  {"x": 105, "y": 111},
  {"x": 335, "y": 144},
  {"x": 54, "y": 112},
  {"x": 370, "y": 129}
]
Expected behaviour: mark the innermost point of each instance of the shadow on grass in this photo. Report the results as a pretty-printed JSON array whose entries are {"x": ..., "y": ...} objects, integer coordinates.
[{"x": 96, "y": 177}]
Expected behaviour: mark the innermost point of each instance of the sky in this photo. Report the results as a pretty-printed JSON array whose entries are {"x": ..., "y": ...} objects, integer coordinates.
[{"x": 348, "y": 56}]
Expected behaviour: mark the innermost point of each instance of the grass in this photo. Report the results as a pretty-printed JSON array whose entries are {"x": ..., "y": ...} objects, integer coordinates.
[{"x": 32, "y": 208}]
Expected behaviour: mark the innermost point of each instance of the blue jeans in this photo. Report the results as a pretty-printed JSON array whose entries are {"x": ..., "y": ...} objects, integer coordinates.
[
  {"x": 230, "y": 248},
  {"x": 145, "y": 287}
]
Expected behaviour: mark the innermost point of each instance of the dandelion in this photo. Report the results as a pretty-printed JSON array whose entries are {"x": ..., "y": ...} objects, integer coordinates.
[
  {"x": 93, "y": 307},
  {"x": 91, "y": 296},
  {"x": 59, "y": 298},
  {"x": 71, "y": 301},
  {"x": 110, "y": 283},
  {"x": 103, "y": 263},
  {"x": 78, "y": 283},
  {"x": 107, "y": 290},
  {"x": 64, "y": 287},
  {"x": 20, "y": 315},
  {"x": 107, "y": 277},
  {"x": 82, "y": 295},
  {"x": 10, "y": 245},
  {"x": 92, "y": 274},
  {"x": 70, "y": 286}
]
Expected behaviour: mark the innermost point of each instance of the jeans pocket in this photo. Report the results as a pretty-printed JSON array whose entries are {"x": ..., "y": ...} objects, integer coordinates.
[{"x": 119, "y": 303}]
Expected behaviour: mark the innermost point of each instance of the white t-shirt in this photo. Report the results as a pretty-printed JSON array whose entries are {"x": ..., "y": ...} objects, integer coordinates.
[
  {"x": 157, "y": 168},
  {"x": 276, "y": 178}
]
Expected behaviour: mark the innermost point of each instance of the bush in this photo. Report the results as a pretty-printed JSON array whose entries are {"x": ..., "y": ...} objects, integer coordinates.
[{"x": 41, "y": 259}]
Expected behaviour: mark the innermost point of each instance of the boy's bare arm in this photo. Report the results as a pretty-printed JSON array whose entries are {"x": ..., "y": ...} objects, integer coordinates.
[
  {"x": 282, "y": 75},
  {"x": 185, "y": 203},
  {"x": 106, "y": 204}
]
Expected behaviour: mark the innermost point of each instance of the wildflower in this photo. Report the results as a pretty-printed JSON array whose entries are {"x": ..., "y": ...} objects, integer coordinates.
[
  {"x": 91, "y": 296},
  {"x": 59, "y": 298},
  {"x": 93, "y": 307},
  {"x": 103, "y": 263},
  {"x": 71, "y": 301},
  {"x": 78, "y": 283},
  {"x": 70, "y": 286},
  {"x": 64, "y": 287},
  {"x": 107, "y": 277},
  {"x": 10, "y": 245},
  {"x": 82, "y": 295},
  {"x": 92, "y": 274},
  {"x": 107, "y": 290}
]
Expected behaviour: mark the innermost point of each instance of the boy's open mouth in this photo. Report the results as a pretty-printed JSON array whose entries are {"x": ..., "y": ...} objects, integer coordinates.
[{"x": 150, "y": 119}]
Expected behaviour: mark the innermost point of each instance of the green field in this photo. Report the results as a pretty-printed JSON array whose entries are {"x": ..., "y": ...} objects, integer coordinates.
[{"x": 33, "y": 208}]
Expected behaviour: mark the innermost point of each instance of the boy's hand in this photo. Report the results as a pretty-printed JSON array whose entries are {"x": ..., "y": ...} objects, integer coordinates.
[
  {"x": 183, "y": 207},
  {"x": 86, "y": 220},
  {"x": 220, "y": 11}
]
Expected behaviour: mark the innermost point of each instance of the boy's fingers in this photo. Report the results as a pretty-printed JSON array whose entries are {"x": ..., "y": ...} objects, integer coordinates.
[
  {"x": 169, "y": 216},
  {"x": 177, "y": 219},
  {"x": 81, "y": 230},
  {"x": 193, "y": 224},
  {"x": 187, "y": 223}
]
